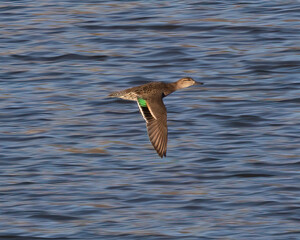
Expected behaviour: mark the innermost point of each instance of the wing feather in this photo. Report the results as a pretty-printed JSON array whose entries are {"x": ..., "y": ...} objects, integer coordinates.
[{"x": 155, "y": 115}]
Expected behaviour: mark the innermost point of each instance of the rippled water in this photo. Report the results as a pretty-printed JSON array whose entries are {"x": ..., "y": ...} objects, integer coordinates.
[{"x": 76, "y": 165}]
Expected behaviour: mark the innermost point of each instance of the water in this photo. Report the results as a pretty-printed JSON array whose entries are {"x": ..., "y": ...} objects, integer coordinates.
[{"x": 76, "y": 165}]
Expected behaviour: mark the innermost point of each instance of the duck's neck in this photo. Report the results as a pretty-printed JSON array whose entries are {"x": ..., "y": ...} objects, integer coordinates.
[{"x": 171, "y": 87}]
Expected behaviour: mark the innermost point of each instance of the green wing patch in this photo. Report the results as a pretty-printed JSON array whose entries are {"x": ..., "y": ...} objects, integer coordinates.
[
  {"x": 144, "y": 109},
  {"x": 142, "y": 102}
]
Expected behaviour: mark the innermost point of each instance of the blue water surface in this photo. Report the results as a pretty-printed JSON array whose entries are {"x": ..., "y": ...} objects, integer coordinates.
[{"x": 75, "y": 164}]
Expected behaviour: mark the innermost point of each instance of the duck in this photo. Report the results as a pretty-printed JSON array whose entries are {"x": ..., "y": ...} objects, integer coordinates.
[{"x": 149, "y": 98}]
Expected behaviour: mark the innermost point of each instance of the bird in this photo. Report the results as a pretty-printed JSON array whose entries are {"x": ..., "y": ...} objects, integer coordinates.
[{"x": 149, "y": 98}]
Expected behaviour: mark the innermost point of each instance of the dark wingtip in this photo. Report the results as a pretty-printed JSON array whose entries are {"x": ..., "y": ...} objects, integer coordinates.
[
  {"x": 164, "y": 154},
  {"x": 161, "y": 154}
]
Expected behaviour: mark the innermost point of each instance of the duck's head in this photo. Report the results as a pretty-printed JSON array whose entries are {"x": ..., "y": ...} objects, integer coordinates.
[{"x": 186, "y": 82}]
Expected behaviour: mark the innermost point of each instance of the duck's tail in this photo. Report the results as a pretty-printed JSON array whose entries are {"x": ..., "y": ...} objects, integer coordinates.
[
  {"x": 114, "y": 94},
  {"x": 124, "y": 95}
]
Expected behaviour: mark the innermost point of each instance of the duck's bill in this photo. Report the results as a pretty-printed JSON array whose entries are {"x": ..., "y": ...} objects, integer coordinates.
[{"x": 198, "y": 83}]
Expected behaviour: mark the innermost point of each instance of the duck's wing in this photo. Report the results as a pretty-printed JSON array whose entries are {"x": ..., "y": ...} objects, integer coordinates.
[{"x": 155, "y": 115}]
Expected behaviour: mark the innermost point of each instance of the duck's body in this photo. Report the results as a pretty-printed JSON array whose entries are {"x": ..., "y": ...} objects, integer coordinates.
[
  {"x": 146, "y": 91},
  {"x": 149, "y": 98}
]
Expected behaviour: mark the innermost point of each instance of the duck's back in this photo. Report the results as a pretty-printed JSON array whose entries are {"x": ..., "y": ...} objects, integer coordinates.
[
  {"x": 146, "y": 91},
  {"x": 149, "y": 89}
]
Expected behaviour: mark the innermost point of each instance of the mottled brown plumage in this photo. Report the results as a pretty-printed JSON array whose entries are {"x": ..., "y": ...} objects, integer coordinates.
[{"x": 149, "y": 98}]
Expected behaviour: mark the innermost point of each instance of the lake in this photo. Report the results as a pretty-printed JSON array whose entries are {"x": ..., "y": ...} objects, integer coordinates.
[{"x": 75, "y": 164}]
